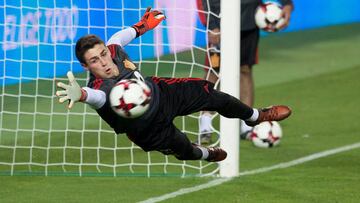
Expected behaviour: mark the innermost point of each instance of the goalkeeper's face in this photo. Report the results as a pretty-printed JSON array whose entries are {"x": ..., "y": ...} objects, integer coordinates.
[{"x": 99, "y": 62}]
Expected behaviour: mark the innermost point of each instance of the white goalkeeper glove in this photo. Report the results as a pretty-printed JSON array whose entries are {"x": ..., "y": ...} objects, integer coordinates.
[{"x": 71, "y": 92}]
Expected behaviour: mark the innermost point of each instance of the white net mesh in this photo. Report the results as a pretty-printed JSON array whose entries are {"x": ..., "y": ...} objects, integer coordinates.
[{"x": 38, "y": 135}]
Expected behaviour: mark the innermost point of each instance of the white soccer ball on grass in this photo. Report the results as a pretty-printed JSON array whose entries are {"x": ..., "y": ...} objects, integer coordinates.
[
  {"x": 266, "y": 134},
  {"x": 130, "y": 98}
]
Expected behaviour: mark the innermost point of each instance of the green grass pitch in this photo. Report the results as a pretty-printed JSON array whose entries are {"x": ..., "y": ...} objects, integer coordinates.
[{"x": 315, "y": 72}]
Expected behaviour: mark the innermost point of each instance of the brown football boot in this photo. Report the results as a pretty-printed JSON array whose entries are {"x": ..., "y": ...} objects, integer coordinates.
[
  {"x": 216, "y": 154},
  {"x": 271, "y": 113}
]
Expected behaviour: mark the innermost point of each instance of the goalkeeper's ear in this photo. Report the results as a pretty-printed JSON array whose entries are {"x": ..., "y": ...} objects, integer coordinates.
[{"x": 149, "y": 21}]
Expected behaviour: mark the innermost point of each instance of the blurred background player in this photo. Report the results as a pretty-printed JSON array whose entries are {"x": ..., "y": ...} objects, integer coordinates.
[{"x": 209, "y": 11}]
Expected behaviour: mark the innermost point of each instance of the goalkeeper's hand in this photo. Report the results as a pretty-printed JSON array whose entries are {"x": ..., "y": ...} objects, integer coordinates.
[
  {"x": 149, "y": 21},
  {"x": 71, "y": 92}
]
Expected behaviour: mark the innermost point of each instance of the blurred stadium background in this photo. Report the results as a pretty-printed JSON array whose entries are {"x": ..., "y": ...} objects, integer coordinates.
[{"x": 313, "y": 66}]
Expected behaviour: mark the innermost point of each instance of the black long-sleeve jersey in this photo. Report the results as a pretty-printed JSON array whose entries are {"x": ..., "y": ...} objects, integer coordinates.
[{"x": 119, "y": 124}]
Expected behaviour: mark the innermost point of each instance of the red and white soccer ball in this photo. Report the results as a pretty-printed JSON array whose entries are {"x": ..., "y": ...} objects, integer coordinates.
[
  {"x": 266, "y": 135},
  {"x": 268, "y": 17},
  {"x": 130, "y": 98}
]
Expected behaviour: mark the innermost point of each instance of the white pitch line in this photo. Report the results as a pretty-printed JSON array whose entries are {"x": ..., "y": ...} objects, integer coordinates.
[
  {"x": 220, "y": 181},
  {"x": 302, "y": 160}
]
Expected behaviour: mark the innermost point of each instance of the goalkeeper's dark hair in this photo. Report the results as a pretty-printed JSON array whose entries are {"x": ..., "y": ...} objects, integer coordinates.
[{"x": 85, "y": 43}]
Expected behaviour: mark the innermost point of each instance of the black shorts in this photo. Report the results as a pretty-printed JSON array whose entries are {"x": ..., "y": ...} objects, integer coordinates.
[
  {"x": 178, "y": 97},
  {"x": 249, "y": 47}
]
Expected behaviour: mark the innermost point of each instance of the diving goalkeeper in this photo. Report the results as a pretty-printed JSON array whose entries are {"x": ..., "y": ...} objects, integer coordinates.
[{"x": 171, "y": 97}]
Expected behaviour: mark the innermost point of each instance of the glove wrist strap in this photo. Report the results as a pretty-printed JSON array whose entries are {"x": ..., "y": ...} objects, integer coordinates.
[
  {"x": 83, "y": 95},
  {"x": 141, "y": 27}
]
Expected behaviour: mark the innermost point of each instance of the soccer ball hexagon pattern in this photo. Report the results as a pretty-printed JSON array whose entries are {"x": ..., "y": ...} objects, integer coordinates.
[
  {"x": 267, "y": 134},
  {"x": 130, "y": 98}
]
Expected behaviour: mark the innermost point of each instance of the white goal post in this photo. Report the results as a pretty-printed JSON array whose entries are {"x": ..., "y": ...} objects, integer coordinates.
[
  {"x": 230, "y": 83},
  {"x": 39, "y": 136}
]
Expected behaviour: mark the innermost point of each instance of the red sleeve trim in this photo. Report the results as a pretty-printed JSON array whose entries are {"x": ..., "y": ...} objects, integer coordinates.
[
  {"x": 257, "y": 56},
  {"x": 97, "y": 83},
  {"x": 112, "y": 48},
  {"x": 173, "y": 80}
]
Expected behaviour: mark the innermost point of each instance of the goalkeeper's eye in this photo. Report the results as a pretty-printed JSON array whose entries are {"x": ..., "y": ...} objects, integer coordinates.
[
  {"x": 95, "y": 60},
  {"x": 104, "y": 53}
]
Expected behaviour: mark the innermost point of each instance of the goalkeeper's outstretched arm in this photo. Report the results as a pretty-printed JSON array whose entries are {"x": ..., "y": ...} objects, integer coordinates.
[
  {"x": 74, "y": 93},
  {"x": 122, "y": 37},
  {"x": 149, "y": 21}
]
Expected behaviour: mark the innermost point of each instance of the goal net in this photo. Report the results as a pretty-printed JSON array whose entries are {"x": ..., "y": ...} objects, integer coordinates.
[{"x": 39, "y": 136}]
